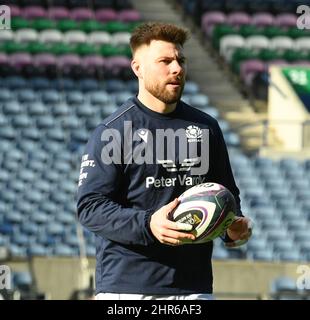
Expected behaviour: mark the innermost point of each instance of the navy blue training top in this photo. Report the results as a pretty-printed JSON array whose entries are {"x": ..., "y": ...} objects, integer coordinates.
[{"x": 128, "y": 172}]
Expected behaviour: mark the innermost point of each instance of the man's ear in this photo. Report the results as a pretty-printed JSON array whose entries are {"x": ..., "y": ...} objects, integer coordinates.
[{"x": 136, "y": 68}]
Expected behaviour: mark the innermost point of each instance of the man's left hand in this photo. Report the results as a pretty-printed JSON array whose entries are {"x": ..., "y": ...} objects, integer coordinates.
[{"x": 239, "y": 229}]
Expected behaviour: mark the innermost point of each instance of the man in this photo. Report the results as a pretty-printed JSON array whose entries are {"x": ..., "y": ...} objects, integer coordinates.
[{"x": 137, "y": 162}]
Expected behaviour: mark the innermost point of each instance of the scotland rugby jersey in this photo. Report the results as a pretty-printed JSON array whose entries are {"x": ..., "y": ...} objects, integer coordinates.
[{"x": 135, "y": 162}]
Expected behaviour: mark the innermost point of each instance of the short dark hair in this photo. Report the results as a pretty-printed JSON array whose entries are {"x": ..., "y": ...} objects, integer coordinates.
[{"x": 146, "y": 32}]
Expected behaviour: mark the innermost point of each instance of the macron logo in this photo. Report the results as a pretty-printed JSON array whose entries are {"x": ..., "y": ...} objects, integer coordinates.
[{"x": 142, "y": 133}]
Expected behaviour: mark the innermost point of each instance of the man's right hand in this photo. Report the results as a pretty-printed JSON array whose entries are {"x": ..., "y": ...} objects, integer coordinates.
[{"x": 167, "y": 231}]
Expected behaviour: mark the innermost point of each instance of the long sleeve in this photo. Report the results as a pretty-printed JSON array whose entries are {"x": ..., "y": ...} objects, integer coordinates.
[
  {"x": 99, "y": 206},
  {"x": 223, "y": 173}
]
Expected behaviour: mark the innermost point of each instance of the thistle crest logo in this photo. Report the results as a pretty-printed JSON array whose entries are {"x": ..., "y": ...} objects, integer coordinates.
[{"x": 193, "y": 134}]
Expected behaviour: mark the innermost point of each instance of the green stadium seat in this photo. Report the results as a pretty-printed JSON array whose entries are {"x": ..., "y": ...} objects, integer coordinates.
[
  {"x": 20, "y": 23},
  {"x": 84, "y": 49},
  {"x": 241, "y": 54},
  {"x": 249, "y": 30},
  {"x": 43, "y": 24},
  {"x": 67, "y": 25},
  {"x": 91, "y": 26},
  {"x": 62, "y": 48},
  {"x": 291, "y": 55},
  {"x": 272, "y": 31},
  {"x": 108, "y": 50},
  {"x": 13, "y": 47},
  {"x": 37, "y": 47},
  {"x": 116, "y": 26},
  {"x": 269, "y": 54},
  {"x": 132, "y": 25},
  {"x": 297, "y": 33}
]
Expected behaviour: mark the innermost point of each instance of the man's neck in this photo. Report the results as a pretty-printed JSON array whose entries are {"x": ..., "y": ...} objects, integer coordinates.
[{"x": 154, "y": 104}]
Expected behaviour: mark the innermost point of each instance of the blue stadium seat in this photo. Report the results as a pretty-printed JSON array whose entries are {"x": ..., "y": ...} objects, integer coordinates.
[
  {"x": 4, "y": 175},
  {"x": 70, "y": 122},
  {"x": 199, "y": 100},
  {"x": 17, "y": 186},
  {"x": 55, "y": 229},
  {"x": 51, "y": 96},
  {"x": 60, "y": 109},
  {"x": 87, "y": 85},
  {"x": 6, "y": 95},
  {"x": 15, "y": 82},
  {"x": 263, "y": 255},
  {"x": 290, "y": 256},
  {"x": 304, "y": 246},
  {"x": 31, "y": 134},
  {"x": 22, "y": 280},
  {"x": 26, "y": 96},
  {"x": 49, "y": 207},
  {"x": 45, "y": 122},
  {"x": 39, "y": 217},
  {"x": 36, "y": 166},
  {"x": 40, "y": 83},
  {"x": 132, "y": 86},
  {"x": 30, "y": 228},
  {"x": 27, "y": 176},
  {"x": 20, "y": 239},
  {"x": 99, "y": 98},
  {"x": 34, "y": 196},
  {"x": 64, "y": 250},
  {"x": 63, "y": 84},
  {"x": 191, "y": 88},
  {"x": 289, "y": 164},
  {"x": 25, "y": 207},
  {"x": 302, "y": 235},
  {"x": 280, "y": 246},
  {"x": 120, "y": 97},
  {"x": 85, "y": 111},
  {"x": 52, "y": 146},
  {"x": 8, "y": 196},
  {"x": 17, "y": 251},
  {"x": 75, "y": 98},
  {"x": 21, "y": 121},
  {"x": 38, "y": 250},
  {"x": 220, "y": 253},
  {"x": 257, "y": 244},
  {"x": 7, "y": 132},
  {"x": 90, "y": 251},
  {"x": 66, "y": 218},
  {"x": 296, "y": 225},
  {"x": 60, "y": 198},
  {"x": 72, "y": 240},
  {"x": 114, "y": 85},
  {"x": 278, "y": 234},
  {"x": 37, "y": 109},
  {"x": 14, "y": 217},
  {"x": 55, "y": 134}
]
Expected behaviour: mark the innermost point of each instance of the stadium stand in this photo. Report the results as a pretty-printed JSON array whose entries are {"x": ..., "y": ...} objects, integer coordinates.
[{"x": 65, "y": 67}]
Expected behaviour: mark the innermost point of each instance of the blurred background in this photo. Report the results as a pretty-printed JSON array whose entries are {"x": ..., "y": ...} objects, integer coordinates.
[{"x": 65, "y": 66}]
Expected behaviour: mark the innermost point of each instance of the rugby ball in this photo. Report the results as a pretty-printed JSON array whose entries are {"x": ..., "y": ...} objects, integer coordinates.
[{"x": 209, "y": 207}]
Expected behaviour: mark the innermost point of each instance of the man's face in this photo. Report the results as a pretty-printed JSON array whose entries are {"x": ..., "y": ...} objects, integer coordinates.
[{"x": 163, "y": 70}]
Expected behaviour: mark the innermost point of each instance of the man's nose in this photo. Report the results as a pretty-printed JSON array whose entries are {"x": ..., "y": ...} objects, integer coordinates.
[{"x": 177, "y": 68}]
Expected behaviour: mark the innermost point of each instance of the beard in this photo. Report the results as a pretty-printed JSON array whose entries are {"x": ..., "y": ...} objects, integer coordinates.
[{"x": 161, "y": 92}]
